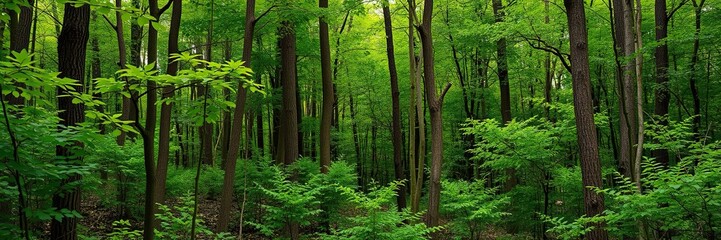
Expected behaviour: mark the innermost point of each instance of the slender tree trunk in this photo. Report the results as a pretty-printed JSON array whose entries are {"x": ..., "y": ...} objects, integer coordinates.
[
  {"x": 418, "y": 144},
  {"x": 206, "y": 129},
  {"x": 227, "y": 115},
  {"x": 698, "y": 7},
  {"x": 395, "y": 98},
  {"x": 328, "y": 98},
  {"x": 435, "y": 106},
  {"x": 662, "y": 93},
  {"x": 148, "y": 134},
  {"x": 237, "y": 126},
  {"x": 583, "y": 110},
  {"x": 167, "y": 108},
  {"x": 289, "y": 115},
  {"x": 72, "y": 46},
  {"x": 504, "y": 85}
]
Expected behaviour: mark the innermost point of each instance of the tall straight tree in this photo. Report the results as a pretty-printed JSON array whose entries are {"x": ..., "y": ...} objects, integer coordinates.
[
  {"x": 167, "y": 107},
  {"x": 502, "y": 71},
  {"x": 661, "y": 95},
  {"x": 289, "y": 114},
  {"x": 206, "y": 129},
  {"x": 417, "y": 135},
  {"x": 625, "y": 48},
  {"x": 697, "y": 10},
  {"x": 396, "y": 109},
  {"x": 328, "y": 96},
  {"x": 435, "y": 103},
  {"x": 583, "y": 110},
  {"x": 72, "y": 46},
  {"x": 237, "y": 127}
]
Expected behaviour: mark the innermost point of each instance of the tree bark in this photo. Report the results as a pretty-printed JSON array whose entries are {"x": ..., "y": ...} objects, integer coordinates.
[
  {"x": 435, "y": 106},
  {"x": 20, "y": 40},
  {"x": 328, "y": 98},
  {"x": 662, "y": 94},
  {"x": 502, "y": 71},
  {"x": 237, "y": 126},
  {"x": 396, "y": 109},
  {"x": 698, "y": 7},
  {"x": 206, "y": 129},
  {"x": 72, "y": 46},
  {"x": 583, "y": 110},
  {"x": 167, "y": 108},
  {"x": 289, "y": 123}
]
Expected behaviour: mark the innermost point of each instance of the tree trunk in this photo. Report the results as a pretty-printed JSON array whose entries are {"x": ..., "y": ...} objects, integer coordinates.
[
  {"x": 698, "y": 7},
  {"x": 662, "y": 95},
  {"x": 395, "y": 98},
  {"x": 417, "y": 141},
  {"x": 502, "y": 71},
  {"x": 435, "y": 107},
  {"x": 19, "y": 40},
  {"x": 583, "y": 110},
  {"x": 328, "y": 98},
  {"x": 206, "y": 130},
  {"x": 237, "y": 127},
  {"x": 72, "y": 46},
  {"x": 289, "y": 122},
  {"x": 167, "y": 108}
]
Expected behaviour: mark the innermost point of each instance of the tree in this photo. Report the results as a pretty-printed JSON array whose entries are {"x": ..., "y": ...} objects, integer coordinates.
[
  {"x": 20, "y": 36},
  {"x": 435, "y": 104},
  {"x": 237, "y": 127},
  {"x": 502, "y": 71},
  {"x": 661, "y": 94},
  {"x": 166, "y": 108},
  {"x": 72, "y": 46},
  {"x": 395, "y": 95},
  {"x": 328, "y": 96},
  {"x": 583, "y": 110},
  {"x": 417, "y": 135}
]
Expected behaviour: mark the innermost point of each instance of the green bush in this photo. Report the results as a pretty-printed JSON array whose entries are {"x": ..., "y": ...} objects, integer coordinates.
[
  {"x": 471, "y": 207},
  {"x": 378, "y": 218}
]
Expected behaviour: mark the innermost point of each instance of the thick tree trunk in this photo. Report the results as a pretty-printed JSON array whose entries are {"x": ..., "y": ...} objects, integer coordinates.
[
  {"x": 396, "y": 109},
  {"x": 237, "y": 126},
  {"x": 167, "y": 108},
  {"x": 72, "y": 46},
  {"x": 20, "y": 40},
  {"x": 289, "y": 122},
  {"x": 662, "y": 94},
  {"x": 583, "y": 110}
]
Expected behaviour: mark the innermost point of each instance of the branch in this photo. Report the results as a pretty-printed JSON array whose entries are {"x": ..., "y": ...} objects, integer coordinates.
[
  {"x": 164, "y": 8},
  {"x": 543, "y": 45},
  {"x": 676, "y": 8},
  {"x": 115, "y": 27},
  {"x": 445, "y": 90},
  {"x": 263, "y": 14}
]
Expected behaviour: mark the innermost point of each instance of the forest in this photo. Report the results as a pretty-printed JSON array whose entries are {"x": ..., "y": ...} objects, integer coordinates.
[{"x": 360, "y": 119}]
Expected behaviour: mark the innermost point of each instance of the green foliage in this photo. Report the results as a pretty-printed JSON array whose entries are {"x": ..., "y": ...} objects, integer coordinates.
[
  {"x": 682, "y": 200},
  {"x": 378, "y": 218},
  {"x": 289, "y": 202},
  {"x": 122, "y": 231},
  {"x": 471, "y": 207}
]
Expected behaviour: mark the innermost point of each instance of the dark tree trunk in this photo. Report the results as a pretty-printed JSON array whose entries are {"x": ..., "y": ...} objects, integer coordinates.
[
  {"x": 698, "y": 8},
  {"x": 167, "y": 108},
  {"x": 289, "y": 114},
  {"x": 395, "y": 98},
  {"x": 662, "y": 94},
  {"x": 227, "y": 115},
  {"x": 502, "y": 71},
  {"x": 72, "y": 46},
  {"x": 328, "y": 98},
  {"x": 583, "y": 110},
  {"x": 20, "y": 40},
  {"x": 237, "y": 126}
]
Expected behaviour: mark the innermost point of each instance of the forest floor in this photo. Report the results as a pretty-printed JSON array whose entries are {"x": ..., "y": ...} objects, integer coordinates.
[{"x": 97, "y": 220}]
